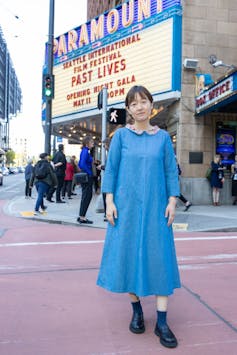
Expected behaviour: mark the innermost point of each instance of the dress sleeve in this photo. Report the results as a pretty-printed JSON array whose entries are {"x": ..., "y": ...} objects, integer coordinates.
[
  {"x": 109, "y": 181},
  {"x": 171, "y": 171}
]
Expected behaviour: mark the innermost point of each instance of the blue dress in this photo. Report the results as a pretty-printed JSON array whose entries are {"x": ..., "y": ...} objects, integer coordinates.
[
  {"x": 216, "y": 175},
  {"x": 139, "y": 253}
]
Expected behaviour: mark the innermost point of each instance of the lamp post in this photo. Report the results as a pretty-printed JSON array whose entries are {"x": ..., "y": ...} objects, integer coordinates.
[{"x": 48, "y": 118}]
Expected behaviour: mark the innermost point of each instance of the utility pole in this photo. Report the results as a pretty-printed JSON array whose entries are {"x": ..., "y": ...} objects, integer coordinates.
[{"x": 48, "y": 119}]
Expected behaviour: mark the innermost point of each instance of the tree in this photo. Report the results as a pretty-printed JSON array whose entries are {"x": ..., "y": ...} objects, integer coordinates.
[{"x": 10, "y": 156}]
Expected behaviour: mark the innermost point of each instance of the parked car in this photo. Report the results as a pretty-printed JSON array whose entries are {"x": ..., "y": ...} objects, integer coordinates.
[
  {"x": 5, "y": 170},
  {"x": 13, "y": 170},
  {"x": 21, "y": 169},
  {"x": 1, "y": 177}
]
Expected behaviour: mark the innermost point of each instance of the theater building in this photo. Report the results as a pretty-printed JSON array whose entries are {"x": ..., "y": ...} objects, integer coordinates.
[{"x": 184, "y": 56}]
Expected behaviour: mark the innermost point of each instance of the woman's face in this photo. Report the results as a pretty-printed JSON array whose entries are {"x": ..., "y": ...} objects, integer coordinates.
[
  {"x": 140, "y": 108},
  {"x": 91, "y": 144}
]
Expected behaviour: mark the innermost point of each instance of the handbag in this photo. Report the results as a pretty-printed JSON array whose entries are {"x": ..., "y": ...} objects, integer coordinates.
[
  {"x": 81, "y": 178},
  {"x": 208, "y": 173}
]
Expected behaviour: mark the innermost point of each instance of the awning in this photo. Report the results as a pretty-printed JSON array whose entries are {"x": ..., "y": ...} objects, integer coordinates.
[{"x": 220, "y": 94}]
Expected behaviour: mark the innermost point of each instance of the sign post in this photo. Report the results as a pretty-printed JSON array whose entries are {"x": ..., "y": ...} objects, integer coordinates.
[{"x": 104, "y": 120}]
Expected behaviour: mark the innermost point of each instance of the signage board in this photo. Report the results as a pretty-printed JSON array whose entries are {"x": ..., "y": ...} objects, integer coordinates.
[
  {"x": 216, "y": 95},
  {"x": 137, "y": 43}
]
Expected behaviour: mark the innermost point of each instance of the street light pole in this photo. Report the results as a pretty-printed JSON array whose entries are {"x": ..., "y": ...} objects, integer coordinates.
[{"x": 48, "y": 119}]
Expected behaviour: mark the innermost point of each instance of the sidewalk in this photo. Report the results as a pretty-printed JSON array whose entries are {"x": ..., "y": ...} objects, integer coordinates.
[{"x": 198, "y": 218}]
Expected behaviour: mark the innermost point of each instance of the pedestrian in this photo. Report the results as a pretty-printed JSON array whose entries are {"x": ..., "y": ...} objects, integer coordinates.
[
  {"x": 28, "y": 173},
  {"x": 67, "y": 186},
  {"x": 181, "y": 197},
  {"x": 76, "y": 170},
  {"x": 217, "y": 179},
  {"x": 141, "y": 185},
  {"x": 234, "y": 180},
  {"x": 43, "y": 177},
  {"x": 96, "y": 175},
  {"x": 85, "y": 165},
  {"x": 100, "y": 167},
  {"x": 59, "y": 161},
  {"x": 52, "y": 189}
]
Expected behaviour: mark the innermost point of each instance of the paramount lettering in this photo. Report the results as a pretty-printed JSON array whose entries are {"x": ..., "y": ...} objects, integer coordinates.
[{"x": 130, "y": 13}]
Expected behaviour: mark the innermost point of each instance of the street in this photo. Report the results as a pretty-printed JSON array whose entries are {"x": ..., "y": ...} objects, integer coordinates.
[
  {"x": 13, "y": 185},
  {"x": 50, "y": 302}
]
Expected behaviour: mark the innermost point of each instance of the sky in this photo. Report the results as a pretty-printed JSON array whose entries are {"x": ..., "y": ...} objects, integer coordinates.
[{"x": 25, "y": 27}]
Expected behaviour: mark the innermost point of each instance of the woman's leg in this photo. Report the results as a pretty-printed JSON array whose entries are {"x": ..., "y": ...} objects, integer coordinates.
[
  {"x": 217, "y": 196},
  {"x": 86, "y": 197},
  {"x": 214, "y": 195},
  {"x": 167, "y": 337},
  {"x": 137, "y": 323}
]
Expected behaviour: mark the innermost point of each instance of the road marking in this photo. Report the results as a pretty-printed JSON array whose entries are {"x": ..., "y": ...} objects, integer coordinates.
[
  {"x": 180, "y": 226},
  {"x": 224, "y": 237},
  {"x": 78, "y": 242},
  {"x": 51, "y": 243}
]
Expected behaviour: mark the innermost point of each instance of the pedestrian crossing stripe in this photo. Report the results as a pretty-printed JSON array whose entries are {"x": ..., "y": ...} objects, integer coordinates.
[{"x": 180, "y": 226}]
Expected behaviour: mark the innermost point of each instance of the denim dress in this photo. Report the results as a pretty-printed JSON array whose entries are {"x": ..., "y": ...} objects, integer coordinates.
[{"x": 139, "y": 252}]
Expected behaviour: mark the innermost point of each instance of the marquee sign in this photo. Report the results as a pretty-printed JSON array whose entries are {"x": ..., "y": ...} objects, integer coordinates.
[{"x": 137, "y": 43}]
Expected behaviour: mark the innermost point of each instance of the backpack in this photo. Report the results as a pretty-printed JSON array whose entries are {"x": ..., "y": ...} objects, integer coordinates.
[
  {"x": 208, "y": 173},
  {"x": 41, "y": 170}
]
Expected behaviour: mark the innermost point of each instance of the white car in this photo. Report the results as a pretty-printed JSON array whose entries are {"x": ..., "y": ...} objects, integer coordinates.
[{"x": 5, "y": 170}]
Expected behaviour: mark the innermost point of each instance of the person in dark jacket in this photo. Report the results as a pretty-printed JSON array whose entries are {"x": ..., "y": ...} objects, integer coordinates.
[
  {"x": 85, "y": 165},
  {"x": 42, "y": 184},
  {"x": 28, "y": 173},
  {"x": 60, "y": 163}
]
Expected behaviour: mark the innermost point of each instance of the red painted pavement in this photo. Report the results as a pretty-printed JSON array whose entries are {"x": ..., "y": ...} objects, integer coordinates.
[{"x": 50, "y": 303}]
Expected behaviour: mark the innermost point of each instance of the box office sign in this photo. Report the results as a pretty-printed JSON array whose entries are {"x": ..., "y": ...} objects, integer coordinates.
[{"x": 137, "y": 43}]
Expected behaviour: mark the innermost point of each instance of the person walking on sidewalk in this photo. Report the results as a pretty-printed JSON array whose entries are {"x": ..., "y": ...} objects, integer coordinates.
[
  {"x": 181, "y": 197},
  {"x": 234, "y": 181},
  {"x": 85, "y": 165},
  {"x": 141, "y": 186},
  {"x": 43, "y": 177},
  {"x": 217, "y": 179},
  {"x": 28, "y": 173},
  {"x": 60, "y": 162}
]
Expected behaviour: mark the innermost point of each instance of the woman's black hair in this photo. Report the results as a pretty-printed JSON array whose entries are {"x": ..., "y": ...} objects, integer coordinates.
[{"x": 137, "y": 90}]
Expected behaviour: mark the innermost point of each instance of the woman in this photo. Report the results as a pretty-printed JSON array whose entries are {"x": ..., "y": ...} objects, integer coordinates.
[
  {"x": 234, "y": 180},
  {"x": 141, "y": 185},
  {"x": 85, "y": 165},
  {"x": 217, "y": 179}
]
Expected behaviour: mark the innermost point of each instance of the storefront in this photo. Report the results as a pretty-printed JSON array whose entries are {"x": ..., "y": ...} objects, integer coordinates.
[{"x": 217, "y": 104}]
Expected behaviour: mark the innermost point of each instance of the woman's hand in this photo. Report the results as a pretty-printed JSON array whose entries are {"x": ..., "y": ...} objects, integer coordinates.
[
  {"x": 111, "y": 212},
  {"x": 170, "y": 210}
]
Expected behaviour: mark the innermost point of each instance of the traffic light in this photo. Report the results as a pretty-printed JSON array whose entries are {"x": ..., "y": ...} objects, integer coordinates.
[
  {"x": 117, "y": 116},
  {"x": 48, "y": 86}
]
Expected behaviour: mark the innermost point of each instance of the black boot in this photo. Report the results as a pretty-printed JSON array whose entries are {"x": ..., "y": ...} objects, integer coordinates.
[
  {"x": 167, "y": 337},
  {"x": 137, "y": 323}
]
